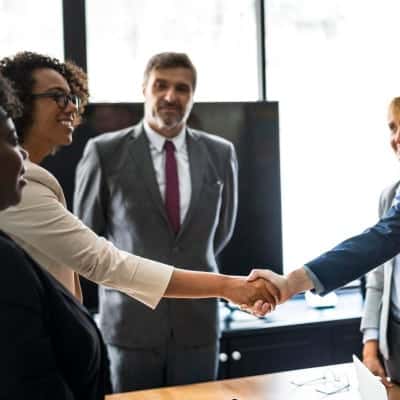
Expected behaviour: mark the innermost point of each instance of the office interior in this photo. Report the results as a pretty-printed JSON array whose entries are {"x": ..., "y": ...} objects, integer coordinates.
[{"x": 300, "y": 87}]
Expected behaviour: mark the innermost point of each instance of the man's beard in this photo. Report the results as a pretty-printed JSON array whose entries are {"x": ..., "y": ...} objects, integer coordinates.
[{"x": 169, "y": 121}]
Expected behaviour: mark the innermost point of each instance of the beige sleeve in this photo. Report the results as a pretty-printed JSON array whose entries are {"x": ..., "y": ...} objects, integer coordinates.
[{"x": 42, "y": 223}]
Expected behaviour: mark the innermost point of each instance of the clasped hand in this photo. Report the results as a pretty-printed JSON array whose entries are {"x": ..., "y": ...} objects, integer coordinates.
[{"x": 260, "y": 292}]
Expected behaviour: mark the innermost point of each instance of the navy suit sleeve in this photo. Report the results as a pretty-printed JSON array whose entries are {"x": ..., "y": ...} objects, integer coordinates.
[
  {"x": 359, "y": 254},
  {"x": 27, "y": 365}
]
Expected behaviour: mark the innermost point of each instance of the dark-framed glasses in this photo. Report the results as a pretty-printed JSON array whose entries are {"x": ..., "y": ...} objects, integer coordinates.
[{"x": 62, "y": 99}]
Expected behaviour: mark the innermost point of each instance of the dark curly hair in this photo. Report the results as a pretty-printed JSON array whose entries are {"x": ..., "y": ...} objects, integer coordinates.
[
  {"x": 8, "y": 99},
  {"x": 19, "y": 69}
]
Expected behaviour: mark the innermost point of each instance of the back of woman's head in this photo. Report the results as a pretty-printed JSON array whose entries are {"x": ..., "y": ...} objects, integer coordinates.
[
  {"x": 19, "y": 69},
  {"x": 11, "y": 155},
  {"x": 9, "y": 102}
]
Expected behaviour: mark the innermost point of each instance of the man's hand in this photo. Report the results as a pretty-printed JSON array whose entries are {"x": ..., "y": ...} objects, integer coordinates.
[
  {"x": 280, "y": 282},
  {"x": 280, "y": 285},
  {"x": 250, "y": 294},
  {"x": 371, "y": 360},
  {"x": 287, "y": 286}
]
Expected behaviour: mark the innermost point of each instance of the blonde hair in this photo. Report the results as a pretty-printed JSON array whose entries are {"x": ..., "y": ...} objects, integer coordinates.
[{"x": 395, "y": 104}]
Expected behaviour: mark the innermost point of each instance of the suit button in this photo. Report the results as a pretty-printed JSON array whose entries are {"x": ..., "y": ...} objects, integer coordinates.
[{"x": 176, "y": 249}]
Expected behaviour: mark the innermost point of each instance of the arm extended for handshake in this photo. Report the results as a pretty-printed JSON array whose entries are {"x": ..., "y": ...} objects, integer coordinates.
[
  {"x": 345, "y": 262},
  {"x": 237, "y": 289}
]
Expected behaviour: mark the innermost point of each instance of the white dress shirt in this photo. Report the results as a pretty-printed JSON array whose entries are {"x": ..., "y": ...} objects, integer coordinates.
[{"x": 182, "y": 159}]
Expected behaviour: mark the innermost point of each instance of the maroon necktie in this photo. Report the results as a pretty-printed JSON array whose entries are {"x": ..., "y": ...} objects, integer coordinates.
[{"x": 172, "y": 186}]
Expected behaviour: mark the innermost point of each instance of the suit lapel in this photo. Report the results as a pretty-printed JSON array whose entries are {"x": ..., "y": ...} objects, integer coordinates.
[
  {"x": 139, "y": 151},
  {"x": 198, "y": 157}
]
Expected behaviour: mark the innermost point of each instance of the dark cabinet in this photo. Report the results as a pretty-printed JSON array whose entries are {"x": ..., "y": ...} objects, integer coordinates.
[
  {"x": 346, "y": 342},
  {"x": 293, "y": 337}
]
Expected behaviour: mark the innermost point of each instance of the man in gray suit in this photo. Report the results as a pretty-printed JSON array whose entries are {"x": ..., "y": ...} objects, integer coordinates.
[
  {"x": 381, "y": 319},
  {"x": 164, "y": 191}
]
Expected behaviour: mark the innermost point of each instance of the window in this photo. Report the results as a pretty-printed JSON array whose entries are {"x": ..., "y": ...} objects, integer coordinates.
[
  {"x": 218, "y": 35},
  {"x": 31, "y": 26},
  {"x": 333, "y": 69}
]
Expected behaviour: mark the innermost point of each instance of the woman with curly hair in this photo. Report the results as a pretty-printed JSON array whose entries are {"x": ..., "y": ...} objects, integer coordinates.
[
  {"x": 53, "y": 95},
  {"x": 50, "y": 347}
]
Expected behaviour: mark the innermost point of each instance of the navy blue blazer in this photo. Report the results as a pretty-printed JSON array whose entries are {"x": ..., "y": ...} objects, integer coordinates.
[
  {"x": 50, "y": 348},
  {"x": 359, "y": 254}
]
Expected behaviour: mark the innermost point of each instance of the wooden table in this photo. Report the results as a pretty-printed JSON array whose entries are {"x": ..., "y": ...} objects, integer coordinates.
[{"x": 276, "y": 386}]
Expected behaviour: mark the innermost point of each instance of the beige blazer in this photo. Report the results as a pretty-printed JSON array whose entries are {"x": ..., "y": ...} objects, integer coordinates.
[{"x": 62, "y": 244}]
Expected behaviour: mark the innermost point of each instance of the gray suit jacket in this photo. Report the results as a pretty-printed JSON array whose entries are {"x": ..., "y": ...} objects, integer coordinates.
[
  {"x": 117, "y": 195},
  {"x": 379, "y": 283}
]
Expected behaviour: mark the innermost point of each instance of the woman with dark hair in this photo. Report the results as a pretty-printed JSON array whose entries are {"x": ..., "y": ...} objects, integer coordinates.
[
  {"x": 50, "y": 347},
  {"x": 53, "y": 95}
]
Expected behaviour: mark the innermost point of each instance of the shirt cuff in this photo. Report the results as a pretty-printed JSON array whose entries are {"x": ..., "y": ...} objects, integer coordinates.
[
  {"x": 318, "y": 286},
  {"x": 370, "y": 334},
  {"x": 150, "y": 281}
]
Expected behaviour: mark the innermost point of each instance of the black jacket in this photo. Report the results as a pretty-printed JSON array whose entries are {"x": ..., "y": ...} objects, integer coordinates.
[{"x": 50, "y": 348}]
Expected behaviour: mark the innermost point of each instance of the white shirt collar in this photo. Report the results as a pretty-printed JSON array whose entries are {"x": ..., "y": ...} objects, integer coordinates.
[{"x": 158, "y": 140}]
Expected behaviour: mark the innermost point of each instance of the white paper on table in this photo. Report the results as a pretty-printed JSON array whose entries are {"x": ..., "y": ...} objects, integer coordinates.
[{"x": 368, "y": 384}]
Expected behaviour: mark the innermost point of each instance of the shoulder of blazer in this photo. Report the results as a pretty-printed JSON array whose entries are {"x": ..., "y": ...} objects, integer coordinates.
[
  {"x": 109, "y": 138},
  {"x": 387, "y": 196},
  {"x": 214, "y": 144},
  {"x": 36, "y": 173},
  {"x": 110, "y": 143}
]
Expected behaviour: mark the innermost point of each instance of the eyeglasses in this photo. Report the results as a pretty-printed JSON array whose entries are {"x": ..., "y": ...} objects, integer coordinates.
[{"x": 62, "y": 99}]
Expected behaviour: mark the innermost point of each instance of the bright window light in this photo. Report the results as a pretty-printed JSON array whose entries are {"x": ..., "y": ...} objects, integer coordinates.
[{"x": 334, "y": 69}]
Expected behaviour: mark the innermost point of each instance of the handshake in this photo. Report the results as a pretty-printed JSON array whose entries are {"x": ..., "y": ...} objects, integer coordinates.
[{"x": 263, "y": 290}]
